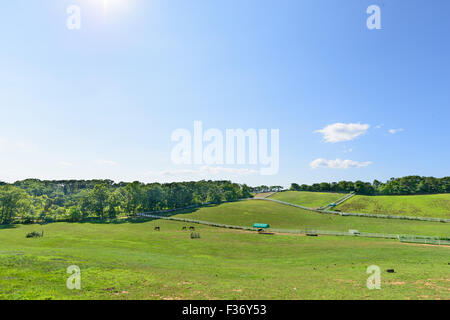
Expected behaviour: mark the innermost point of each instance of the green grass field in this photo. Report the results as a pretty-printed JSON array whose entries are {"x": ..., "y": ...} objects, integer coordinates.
[
  {"x": 308, "y": 199},
  {"x": 132, "y": 261},
  {"x": 280, "y": 216},
  {"x": 432, "y": 205}
]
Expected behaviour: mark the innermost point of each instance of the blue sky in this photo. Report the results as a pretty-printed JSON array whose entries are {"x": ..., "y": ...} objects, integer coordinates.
[{"x": 103, "y": 101}]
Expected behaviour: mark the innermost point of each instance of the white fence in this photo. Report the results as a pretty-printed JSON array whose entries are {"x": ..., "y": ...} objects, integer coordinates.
[{"x": 403, "y": 238}]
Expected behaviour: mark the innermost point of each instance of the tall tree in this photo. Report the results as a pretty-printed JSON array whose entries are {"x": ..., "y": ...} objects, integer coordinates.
[{"x": 13, "y": 201}]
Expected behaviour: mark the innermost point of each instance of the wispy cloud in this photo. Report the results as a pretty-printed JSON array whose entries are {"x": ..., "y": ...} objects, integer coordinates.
[
  {"x": 102, "y": 162},
  {"x": 394, "y": 131},
  {"x": 17, "y": 146},
  {"x": 205, "y": 170},
  {"x": 338, "y": 164},
  {"x": 339, "y": 132},
  {"x": 25, "y": 147}
]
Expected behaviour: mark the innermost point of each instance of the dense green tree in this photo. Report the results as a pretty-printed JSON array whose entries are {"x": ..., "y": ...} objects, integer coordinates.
[
  {"x": 75, "y": 214},
  {"x": 155, "y": 198},
  {"x": 246, "y": 191},
  {"x": 97, "y": 199},
  {"x": 113, "y": 203},
  {"x": 134, "y": 197},
  {"x": 13, "y": 202},
  {"x": 394, "y": 186},
  {"x": 214, "y": 194}
]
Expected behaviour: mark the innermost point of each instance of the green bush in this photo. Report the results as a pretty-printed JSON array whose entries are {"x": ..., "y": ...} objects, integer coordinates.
[{"x": 35, "y": 234}]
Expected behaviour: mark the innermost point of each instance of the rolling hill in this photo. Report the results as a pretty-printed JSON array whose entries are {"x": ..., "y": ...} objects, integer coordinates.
[
  {"x": 308, "y": 199},
  {"x": 430, "y": 205},
  {"x": 280, "y": 216}
]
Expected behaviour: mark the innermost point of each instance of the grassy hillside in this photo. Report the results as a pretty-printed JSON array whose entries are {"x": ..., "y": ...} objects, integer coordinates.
[
  {"x": 308, "y": 199},
  {"x": 432, "y": 205},
  {"x": 132, "y": 261},
  {"x": 280, "y": 216}
]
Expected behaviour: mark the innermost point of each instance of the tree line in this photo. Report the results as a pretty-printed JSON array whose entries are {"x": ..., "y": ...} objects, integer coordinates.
[
  {"x": 33, "y": 200},
  {"x": 263, "y": 189},
  {"x": 395, "y": 186}
]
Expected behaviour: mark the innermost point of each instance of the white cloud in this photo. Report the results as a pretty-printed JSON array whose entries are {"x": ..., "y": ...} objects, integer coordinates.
[
  {"x": 394, "y": 131},
  {"x": 205, "y": 170},
  {"x": 106, "y": 162},
  {"x": 338, "y": 164},
  {"x": 339, "y": 132}
]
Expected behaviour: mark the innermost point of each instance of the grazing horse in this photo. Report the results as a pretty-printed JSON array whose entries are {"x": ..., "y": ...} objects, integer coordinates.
[
  {"x": 191, "y": 228},
  {"x": 184, "y": 228}
]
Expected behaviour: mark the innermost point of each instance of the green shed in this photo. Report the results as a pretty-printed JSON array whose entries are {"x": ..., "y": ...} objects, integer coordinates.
[{"x": 261, "y": 226}]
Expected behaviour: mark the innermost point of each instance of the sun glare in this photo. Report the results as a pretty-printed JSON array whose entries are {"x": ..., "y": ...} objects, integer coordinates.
[{"x": 109, "y": 8}]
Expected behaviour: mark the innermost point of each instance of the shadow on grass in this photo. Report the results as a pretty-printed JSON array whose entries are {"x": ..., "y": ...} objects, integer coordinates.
[
  {"x": 191, "y": 210},
  {"x": 140, "y": 219},
  {"x": 131, "y": 219},
  {"x": 7, "y": 226}
]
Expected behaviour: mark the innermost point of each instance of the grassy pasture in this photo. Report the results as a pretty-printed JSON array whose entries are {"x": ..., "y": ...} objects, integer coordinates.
[
  {"x": 280, "y": 216},
  {"x": 308, "y": 199},
  {"x": 431, "y": 205},
  {"x": 132, "y": 261}
]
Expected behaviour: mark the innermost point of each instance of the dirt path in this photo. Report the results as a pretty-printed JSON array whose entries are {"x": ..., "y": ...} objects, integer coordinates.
[
  {"x": 425, "y": 244},
  {"x": 264, "y": 195}
]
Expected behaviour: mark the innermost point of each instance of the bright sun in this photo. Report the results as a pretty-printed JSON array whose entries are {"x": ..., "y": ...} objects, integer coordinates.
[{"x": 110, "y": 7}]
